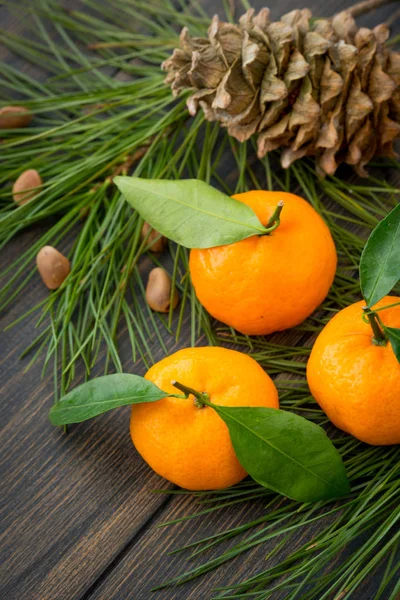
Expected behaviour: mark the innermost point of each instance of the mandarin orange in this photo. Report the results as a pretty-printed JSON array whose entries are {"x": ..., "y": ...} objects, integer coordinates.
[
  {"x": 356, "y": 382},
  {"x": 273, "y": 282},
  {"x": 188, "y": 445}
]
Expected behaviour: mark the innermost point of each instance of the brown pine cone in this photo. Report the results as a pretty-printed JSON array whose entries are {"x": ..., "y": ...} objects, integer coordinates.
[{"x": 322, "y": 87}]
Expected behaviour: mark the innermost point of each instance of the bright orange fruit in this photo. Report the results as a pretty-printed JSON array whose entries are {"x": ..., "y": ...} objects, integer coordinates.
[
  {"x": 191, "y": 446},
  {"x": 268, "y": 283},
  {"x": 354, "y": 381}
]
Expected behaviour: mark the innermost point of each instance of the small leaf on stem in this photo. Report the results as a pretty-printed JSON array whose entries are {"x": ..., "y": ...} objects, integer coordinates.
[
  {"x": 190, "y": 212},
  {"x": 380, "y": 260},
  {"x": 393, "y": 335},
  {"x": 102, "y": 394},
  {"x": 286, "y": 453}
]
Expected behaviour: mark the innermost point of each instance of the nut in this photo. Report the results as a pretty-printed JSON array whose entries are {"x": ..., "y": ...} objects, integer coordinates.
[
  {"x": 14, "y": 117},
  {"x": 27, "y": 186},
  {"x": 158, "y": 291},
  {"x": 156, "y": 245},
  {"x": 52, "y": 266}
]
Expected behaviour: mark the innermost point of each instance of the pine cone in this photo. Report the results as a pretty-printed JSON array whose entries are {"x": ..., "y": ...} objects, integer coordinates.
[{"x": 321, "y": 87}]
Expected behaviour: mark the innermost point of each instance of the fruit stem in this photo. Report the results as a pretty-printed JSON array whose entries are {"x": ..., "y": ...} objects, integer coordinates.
[
  {"x": 275, "y": 219},
  {"x": 201, "y": 398},
  {"x": 379, "y": 338}
]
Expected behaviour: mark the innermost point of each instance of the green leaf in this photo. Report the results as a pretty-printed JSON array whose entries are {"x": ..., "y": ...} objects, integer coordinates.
[
  {"x": 393, "y": 335},
  {"x": 101, "y": 394},
  {"x": 286, "y": 453},
  {"x": 380, "y": 260},
  {"x": 189, "y": 211}
]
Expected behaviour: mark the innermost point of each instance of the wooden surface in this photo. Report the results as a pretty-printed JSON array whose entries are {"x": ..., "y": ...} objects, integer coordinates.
[{"x": 79, "y": 515}]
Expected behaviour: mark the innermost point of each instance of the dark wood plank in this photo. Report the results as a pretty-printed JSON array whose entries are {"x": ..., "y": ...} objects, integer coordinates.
[
  {"x": 79, "y": 515},
  {"x": 62, "y": 524},
  {"x": 69, "y": 503},
  {"x": 141, "y": 568}
]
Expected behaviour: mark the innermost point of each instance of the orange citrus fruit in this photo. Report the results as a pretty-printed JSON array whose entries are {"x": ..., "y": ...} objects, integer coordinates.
[
  {"x": 272, "y": 282},
  {"x": 356, "y": 382},
  {"x": 188, "y": 445}
]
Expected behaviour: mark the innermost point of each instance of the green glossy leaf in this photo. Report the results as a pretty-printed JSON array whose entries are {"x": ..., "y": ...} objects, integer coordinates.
[
  {"x": 189, "y": 211},
  {"x": 286, "y": 453},
  {"x": 104, "y": 393},
  {"x": 393, "y": 335},
  {"x": 380, "y": 260}
]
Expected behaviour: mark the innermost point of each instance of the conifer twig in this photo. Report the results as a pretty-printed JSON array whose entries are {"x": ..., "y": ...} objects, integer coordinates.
[{"x": 366, "y": 6}]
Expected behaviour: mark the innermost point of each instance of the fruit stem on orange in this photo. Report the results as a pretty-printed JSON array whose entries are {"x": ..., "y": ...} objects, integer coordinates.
[
  {"x": 379, "y": 338},
  {"x": 201, "y": 398},
  {"x": 274, "y": 220}
]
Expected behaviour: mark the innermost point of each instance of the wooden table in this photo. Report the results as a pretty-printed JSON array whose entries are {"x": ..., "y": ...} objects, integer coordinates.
[{"x": 80, "y": 518}]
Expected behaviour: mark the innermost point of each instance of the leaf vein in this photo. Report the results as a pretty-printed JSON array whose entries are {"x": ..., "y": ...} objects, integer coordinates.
[{"x": 284, "y": 453}]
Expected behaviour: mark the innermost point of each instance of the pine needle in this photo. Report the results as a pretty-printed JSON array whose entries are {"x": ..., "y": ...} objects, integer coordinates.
[{"x": 104, "y": 110}]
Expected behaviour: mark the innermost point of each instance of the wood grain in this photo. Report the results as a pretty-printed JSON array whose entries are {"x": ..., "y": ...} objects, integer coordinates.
[
  {"x": 140, "y": 568},
  {"x": 79, "y": 515}
]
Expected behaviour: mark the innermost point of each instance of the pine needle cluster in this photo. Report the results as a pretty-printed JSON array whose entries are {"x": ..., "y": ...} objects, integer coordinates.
[{"x": 104, "y": 109}]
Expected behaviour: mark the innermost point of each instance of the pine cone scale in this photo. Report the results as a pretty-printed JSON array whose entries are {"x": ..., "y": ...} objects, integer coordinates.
[{"x": 331, "y": 86}]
